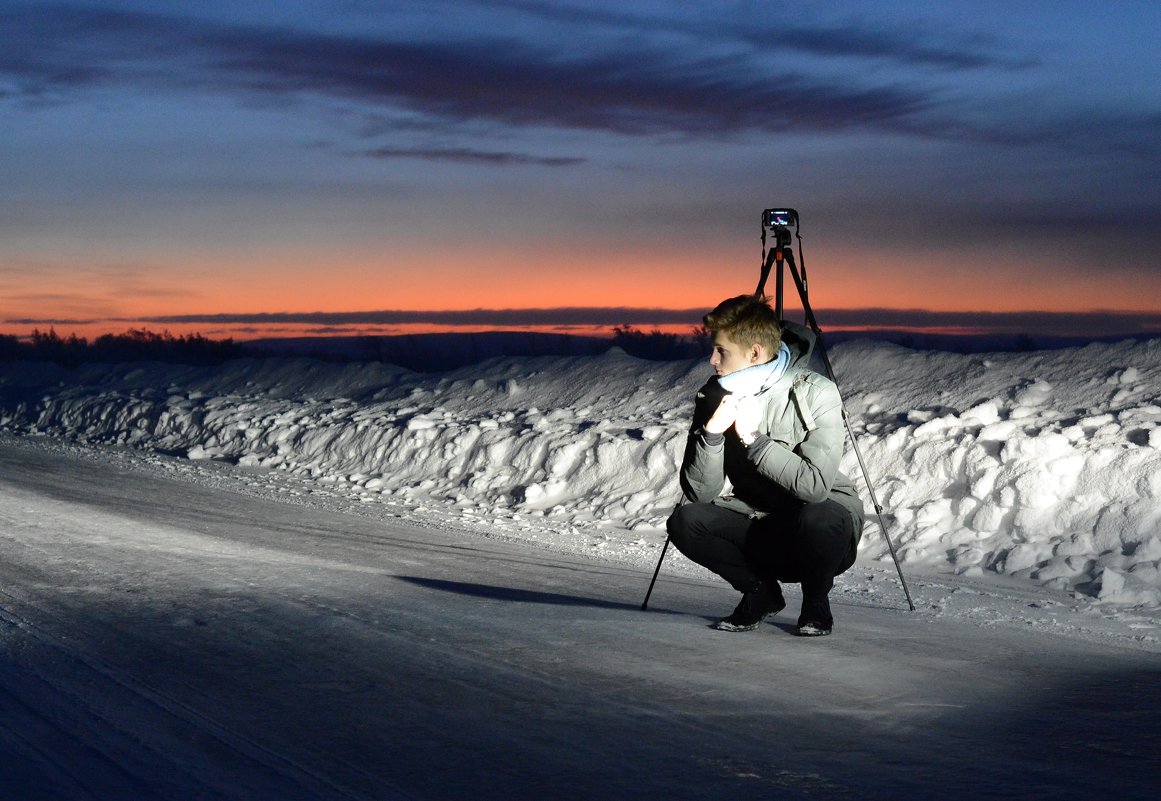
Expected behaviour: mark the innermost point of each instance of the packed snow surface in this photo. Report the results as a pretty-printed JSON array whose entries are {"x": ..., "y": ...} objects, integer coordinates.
[
  {"x": 1044, "y": 466},
  {"x": 164, "y": 636}
]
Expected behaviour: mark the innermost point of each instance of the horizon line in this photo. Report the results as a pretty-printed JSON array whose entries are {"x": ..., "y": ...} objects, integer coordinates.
[
  {"x": 1094, "y": 323},
  {"x": 608, "y": 316}
]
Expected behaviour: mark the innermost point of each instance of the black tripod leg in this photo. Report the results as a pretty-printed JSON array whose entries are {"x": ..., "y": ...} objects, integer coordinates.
[
  {"x": 810, "y": 321},
  {"x": 878, "y": 510},
  {"x": 645, "y": 603}
]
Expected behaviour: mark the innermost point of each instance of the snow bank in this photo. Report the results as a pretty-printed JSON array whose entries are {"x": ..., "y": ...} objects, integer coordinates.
[{"x": 1044, "y": 466}]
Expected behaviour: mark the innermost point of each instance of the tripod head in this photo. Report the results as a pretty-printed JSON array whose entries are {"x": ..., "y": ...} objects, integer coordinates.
[{"x": 777, "y": 222}]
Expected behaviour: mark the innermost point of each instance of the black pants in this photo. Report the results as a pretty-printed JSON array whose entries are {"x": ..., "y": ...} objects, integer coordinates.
[{"x": 809, "y": 546}]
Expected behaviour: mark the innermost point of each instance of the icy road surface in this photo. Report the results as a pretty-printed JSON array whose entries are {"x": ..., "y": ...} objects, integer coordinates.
[{"x": 164, "y": 639}]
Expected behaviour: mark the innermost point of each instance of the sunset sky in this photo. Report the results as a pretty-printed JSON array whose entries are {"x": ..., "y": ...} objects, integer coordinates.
[{"x": 258, "y": 167}]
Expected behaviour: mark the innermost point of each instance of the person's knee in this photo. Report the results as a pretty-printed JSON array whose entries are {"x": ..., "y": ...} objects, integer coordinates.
[
  {"x": 816, "y": 518},
  {"x": 679, "y": 526},
  {"x": 848, "y": 561},
  {"x": 825, "y": 530},
  {"x": 690, "y": 524}
]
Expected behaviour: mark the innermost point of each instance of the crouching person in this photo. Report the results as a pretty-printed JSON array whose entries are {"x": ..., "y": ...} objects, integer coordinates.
[{"x": 774, "y": 428}]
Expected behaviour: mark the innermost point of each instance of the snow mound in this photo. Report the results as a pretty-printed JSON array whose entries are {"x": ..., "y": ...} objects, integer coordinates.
[{"x": 1044, "y": 466}]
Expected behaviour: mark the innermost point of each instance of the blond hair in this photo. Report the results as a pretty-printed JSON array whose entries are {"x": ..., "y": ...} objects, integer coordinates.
[{"x": 747, "y": 320}]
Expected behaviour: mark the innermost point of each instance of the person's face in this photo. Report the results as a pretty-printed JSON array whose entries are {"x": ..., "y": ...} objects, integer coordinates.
[{"x": 730, "y": 357}]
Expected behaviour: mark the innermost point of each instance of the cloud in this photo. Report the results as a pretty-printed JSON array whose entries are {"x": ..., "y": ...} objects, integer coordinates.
[
  {"x": 467, "y": 156},
  {"x": 523, "y": 85},
  {"x": 683, "y": 75},
  {"x": 1094, "y": 323},
  {"x": 58, "y": 49},
  {"x": 633, "y": 74},
  {"x": 606, "y": 316},
  {"x": 914, "y": 45}
]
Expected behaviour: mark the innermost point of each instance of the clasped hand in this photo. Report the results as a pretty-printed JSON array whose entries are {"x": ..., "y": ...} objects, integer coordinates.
[{"x": 743, "y": 413}]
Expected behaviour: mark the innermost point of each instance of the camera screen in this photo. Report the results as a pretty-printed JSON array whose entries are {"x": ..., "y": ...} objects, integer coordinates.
[{"x": 779, "y": 218}]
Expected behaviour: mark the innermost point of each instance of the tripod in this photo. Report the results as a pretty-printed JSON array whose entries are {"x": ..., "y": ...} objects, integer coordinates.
[{"x": 777, "y": 222}]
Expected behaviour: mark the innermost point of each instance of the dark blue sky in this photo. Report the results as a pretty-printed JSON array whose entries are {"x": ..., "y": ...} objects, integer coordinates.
[{"x": 197, "y": 159}]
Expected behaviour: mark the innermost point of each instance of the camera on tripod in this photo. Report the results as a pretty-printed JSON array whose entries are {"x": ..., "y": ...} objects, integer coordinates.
[
  {"x": 777, "y": 223},
  {"x": 779, "y": 218}
]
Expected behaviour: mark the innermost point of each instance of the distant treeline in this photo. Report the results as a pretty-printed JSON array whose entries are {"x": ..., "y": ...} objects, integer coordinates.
[
  {"x": 132, "y": 346},
  {"x": 660, "y": 346},
  {"x": 437, "y": 352},
  {"x": 194, "y": 349}
]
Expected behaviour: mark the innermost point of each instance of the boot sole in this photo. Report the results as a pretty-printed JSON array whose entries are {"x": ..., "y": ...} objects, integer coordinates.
[{"x": 722, "y": 625}]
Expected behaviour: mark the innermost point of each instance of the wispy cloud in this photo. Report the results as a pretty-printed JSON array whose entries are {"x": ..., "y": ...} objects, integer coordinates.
[
  {"x": 60, "y": 49},
  {"x": 682, "y": 74},
  {"x": 914, "y": 46},
  {"x": 467, "y": 156},
  {"x": 1093, "y": 323},
  {"x": 519, "y": 317}
]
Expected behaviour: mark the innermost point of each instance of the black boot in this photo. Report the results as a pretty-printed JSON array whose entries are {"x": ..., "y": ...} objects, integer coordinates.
[
  {"x": 813, "y": 629},
  {"x": 815, "y": 619},
  {"x": 756, "y": 603}
]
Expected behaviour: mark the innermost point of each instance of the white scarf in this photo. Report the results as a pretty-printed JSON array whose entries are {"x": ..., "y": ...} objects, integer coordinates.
[{"x": 752, "y": 380}]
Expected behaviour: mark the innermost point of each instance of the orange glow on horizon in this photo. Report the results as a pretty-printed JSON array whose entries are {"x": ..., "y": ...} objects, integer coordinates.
[{"x": 94, "y": 301}]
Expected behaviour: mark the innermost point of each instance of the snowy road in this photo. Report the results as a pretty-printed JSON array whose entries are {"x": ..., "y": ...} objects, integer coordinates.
[{"x": 165, "y": 640}]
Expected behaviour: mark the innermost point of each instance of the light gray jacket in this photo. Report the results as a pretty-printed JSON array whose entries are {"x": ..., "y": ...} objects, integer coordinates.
[{"x": 792, "y": 461}]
